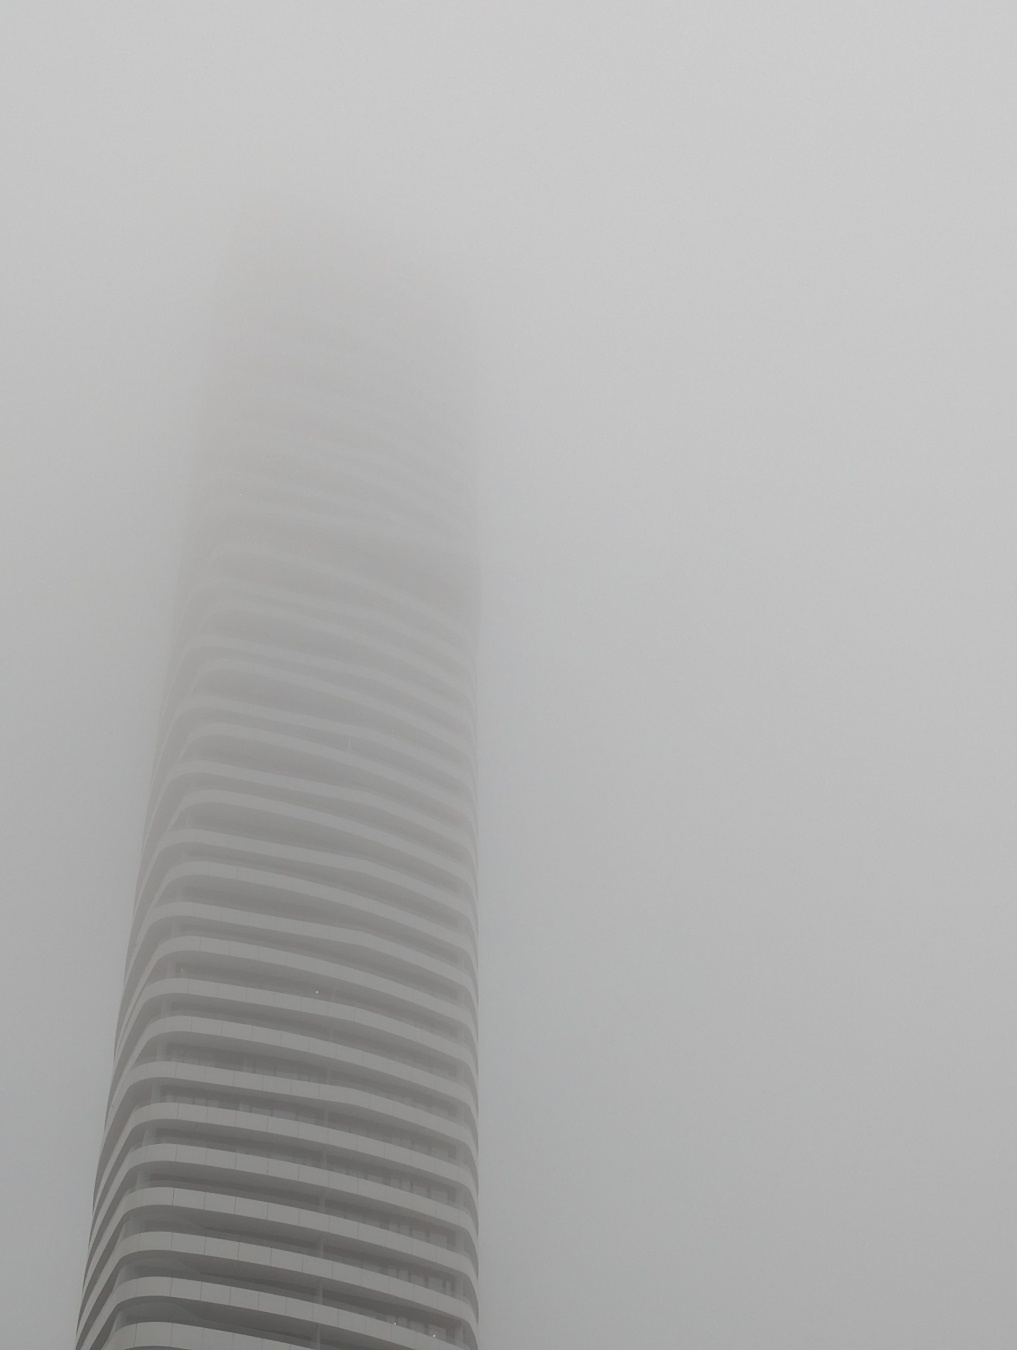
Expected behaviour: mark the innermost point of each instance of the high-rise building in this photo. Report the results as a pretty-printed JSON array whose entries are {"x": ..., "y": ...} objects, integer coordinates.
[{"x": 290, "y": 1149}]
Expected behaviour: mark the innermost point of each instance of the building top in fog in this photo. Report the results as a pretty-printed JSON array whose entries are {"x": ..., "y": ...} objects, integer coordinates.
[{"x": 290, "y": 1154}]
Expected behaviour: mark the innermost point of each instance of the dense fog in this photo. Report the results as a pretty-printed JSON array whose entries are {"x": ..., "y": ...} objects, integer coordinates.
[{"x": 740, "y": 287}]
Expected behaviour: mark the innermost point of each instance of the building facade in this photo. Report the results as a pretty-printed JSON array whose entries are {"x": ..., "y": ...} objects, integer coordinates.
[{"x": 290, "y": 1150}]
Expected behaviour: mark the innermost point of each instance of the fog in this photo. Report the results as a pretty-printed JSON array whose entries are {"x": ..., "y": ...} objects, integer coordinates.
[{"x": 743, "y": 285}]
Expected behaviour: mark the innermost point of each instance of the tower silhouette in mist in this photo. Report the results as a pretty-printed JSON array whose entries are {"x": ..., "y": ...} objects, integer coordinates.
[{"x": 290, "y": 1150}]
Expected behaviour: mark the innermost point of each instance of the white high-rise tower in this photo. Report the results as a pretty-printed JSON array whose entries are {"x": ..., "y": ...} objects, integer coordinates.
[{"x": 290, "y": 1151}]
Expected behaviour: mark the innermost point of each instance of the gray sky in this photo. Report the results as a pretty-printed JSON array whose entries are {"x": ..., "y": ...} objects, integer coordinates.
[{"x": 745, "y": 278}]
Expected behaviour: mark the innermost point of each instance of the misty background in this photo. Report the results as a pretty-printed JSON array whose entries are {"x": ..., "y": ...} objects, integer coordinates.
[{"x": 744, "y": 279}]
